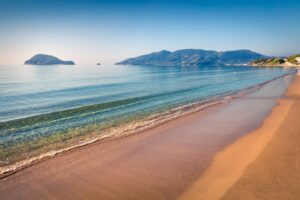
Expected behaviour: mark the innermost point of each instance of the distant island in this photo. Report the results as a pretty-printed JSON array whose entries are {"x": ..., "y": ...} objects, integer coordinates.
[
  {"x": 194, "y": 57},
  {"x": 43, "y": 59},
  {"x": 291, "y": 61}
]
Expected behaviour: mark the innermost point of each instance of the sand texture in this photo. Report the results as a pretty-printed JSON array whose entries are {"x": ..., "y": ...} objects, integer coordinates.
[{"x": 264, "y": 164}]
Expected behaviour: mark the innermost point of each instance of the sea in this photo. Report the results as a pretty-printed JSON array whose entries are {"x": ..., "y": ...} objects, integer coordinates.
[{"x": 45, "y": 110}]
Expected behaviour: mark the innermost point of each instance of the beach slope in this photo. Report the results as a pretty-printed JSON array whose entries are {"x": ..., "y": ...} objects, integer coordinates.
[{"x": 264, "y": 164}]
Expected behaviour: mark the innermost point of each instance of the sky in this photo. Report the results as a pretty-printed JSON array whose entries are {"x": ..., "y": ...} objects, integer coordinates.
[{"x": 108, "y": 31}]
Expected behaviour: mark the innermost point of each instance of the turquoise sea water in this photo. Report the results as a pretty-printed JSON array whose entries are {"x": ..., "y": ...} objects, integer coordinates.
[{"x": 44, "y": 108}]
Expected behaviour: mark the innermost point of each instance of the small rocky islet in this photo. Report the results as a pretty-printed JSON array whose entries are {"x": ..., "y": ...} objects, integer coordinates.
[{"x": 43, "y": 59}]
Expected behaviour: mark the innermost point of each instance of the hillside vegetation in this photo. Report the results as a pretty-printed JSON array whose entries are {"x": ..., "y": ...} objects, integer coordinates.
[{"x": 278, "y": 61}]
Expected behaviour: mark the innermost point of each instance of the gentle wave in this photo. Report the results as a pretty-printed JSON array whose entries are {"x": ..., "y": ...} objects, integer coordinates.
[{"x": 83, "y": 109}]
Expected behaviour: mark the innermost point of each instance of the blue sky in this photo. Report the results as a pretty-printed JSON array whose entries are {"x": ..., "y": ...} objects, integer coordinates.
[{"x": 109, "y": 31}]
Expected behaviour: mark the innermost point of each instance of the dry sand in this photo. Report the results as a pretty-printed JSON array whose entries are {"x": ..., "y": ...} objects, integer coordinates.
[{"x": 264, "y": 164}]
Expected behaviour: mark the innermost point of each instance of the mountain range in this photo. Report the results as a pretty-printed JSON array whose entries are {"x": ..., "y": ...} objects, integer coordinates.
[{"x": 194, "y": 57}]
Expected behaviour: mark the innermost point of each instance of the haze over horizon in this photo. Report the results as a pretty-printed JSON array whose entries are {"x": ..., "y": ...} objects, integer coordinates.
[{"x": 110, "y": 31}]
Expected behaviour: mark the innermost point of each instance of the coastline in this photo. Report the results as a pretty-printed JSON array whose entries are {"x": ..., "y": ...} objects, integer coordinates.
[
  {"x": 263, "y": 164},
  {"x": 130, "y": 129},
  {"x": 134, "y": 127},
  {"x": 138, "y": 153}
]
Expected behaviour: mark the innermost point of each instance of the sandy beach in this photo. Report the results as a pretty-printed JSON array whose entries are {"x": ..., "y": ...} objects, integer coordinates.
[
  {"x": 211, "y": 154},
  {"x": 262, "y": 165}
]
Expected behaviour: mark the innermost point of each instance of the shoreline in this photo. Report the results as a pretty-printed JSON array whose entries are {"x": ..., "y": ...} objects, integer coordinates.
[
  {"x": 246, "y": 168},
  {"x": 16, "y": 167},
  {"x": 134, "y": 127},
  {"x": 153, "y": 159}
]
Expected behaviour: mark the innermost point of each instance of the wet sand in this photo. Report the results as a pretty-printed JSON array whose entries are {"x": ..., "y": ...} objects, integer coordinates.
[
  {"x": 264, "y": 164},
  {"x": 161, "y": 163}
]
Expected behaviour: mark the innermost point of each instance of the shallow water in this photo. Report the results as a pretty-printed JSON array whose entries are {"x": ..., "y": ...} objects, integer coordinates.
[{"x": 45, "y": 108}]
